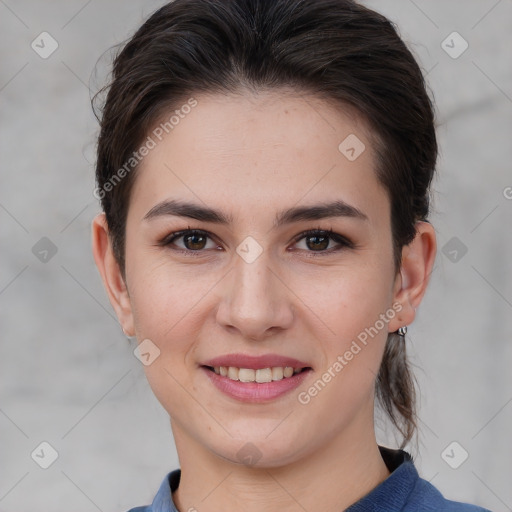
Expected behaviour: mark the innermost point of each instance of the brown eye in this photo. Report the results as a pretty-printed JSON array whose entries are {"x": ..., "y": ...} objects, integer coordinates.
[
  {"x": 318, "y": 240},
  {"x": 193, "y": 240}
]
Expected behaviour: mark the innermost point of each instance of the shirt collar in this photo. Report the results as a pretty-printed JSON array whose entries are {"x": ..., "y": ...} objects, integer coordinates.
[
  {"x": 163, "y": 500},
  {"x": 391, "y": 494}
]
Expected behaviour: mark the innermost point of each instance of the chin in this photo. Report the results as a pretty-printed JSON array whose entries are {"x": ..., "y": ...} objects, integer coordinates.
[{"x": 260, "y": 453}]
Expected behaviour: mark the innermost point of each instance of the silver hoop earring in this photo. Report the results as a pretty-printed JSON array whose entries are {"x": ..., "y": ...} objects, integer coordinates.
[{"x": 402, "y": 331}]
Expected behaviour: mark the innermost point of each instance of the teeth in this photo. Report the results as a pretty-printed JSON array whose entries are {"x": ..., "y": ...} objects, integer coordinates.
[
  {"x": 245, "y": 374},
  {"x": 277, "y": 373},
  {"x": 264, "y": 375},
  {"x": 260, "y": 375}
]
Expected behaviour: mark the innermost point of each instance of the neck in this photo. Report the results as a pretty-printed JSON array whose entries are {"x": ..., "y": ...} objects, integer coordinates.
[{"x": 332, "y": 478}]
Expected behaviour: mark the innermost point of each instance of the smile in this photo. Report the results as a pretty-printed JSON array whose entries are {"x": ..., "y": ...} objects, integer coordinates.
[
  {"x": 255, "y": 385},
  {"x": 260, "y": 375}
]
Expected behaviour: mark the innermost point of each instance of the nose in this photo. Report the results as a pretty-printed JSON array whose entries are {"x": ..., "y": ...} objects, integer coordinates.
[{"x": 255, "y": 301}]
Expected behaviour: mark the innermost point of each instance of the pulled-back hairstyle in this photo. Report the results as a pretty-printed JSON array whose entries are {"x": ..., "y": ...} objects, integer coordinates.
[{"x": 337, "y": 50}]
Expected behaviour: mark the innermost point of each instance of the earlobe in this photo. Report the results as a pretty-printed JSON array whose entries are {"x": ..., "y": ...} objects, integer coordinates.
[
  {"x": 411, "y": 283},
  {"x": 111, "y": 275}
]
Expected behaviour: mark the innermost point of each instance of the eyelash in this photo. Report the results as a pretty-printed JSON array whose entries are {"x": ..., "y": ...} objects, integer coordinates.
[{"x": 341, "y": 240}]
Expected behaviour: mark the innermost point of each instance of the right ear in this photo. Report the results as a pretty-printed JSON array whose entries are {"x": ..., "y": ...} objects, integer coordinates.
[{"x": 111, "y": 274}]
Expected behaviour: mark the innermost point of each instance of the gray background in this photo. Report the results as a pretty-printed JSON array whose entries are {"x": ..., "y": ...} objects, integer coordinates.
[{"x": 68, "y": 374}]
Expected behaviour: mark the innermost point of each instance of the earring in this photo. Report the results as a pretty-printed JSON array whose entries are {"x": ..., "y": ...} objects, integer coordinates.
[{"x": 402, "y": 331}]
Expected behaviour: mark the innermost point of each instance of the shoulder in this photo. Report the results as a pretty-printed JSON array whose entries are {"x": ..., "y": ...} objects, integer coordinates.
[{"x": 426, "y": 497}]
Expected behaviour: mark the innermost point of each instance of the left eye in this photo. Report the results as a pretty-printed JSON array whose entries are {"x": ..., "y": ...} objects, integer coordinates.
[{"x": 317, "y": 240}]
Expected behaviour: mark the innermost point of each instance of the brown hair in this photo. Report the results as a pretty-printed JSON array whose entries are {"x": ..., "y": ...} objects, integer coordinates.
[{"x": 335, "y": 49}]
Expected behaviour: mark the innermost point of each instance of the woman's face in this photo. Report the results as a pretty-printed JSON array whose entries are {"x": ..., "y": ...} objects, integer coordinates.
[{"x": 254, "y": 286}]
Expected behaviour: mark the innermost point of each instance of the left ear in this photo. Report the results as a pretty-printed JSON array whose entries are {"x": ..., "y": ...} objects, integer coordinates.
[{"x": 412, "y": 280}]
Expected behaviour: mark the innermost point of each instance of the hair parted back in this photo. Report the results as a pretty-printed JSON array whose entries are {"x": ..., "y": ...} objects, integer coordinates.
[{"x": 338, "y": 50}]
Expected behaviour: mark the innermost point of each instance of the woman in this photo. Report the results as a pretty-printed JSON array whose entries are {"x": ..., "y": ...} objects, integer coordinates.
[{"x": 264, "y": 170}]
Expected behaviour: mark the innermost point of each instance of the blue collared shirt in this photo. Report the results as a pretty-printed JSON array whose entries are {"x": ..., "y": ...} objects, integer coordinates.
[{"x": 402, "y": 491}]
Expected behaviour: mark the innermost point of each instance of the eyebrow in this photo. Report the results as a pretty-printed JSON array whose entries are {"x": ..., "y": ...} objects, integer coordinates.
[{"x": 181, "y": 208}]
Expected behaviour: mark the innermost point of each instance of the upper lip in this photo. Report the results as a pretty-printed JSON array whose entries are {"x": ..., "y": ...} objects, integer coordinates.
[{"x": 255, "y": 362}]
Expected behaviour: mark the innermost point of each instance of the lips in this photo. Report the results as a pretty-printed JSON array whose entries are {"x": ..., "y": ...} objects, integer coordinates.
[
  {"x": 255, "y": 379},
  {"x": 256, "y": 362}
]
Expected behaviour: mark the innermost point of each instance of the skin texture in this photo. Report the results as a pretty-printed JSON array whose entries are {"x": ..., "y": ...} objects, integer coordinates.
[{"x": 252, "y": 156}]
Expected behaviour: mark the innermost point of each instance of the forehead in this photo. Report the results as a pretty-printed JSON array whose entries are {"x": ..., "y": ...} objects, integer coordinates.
[{"x": 258, "y": 152}]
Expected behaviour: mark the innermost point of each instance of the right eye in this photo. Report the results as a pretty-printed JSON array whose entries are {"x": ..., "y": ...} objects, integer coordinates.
[{"x": 194, "y": 241}]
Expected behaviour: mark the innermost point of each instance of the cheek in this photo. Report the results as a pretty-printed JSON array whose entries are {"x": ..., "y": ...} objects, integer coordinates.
[
  {"x": 165, "y": 304},
  {"x": 355, "y": 304},
  {"x": 348, "y": 298},
  {"x": 168, "y": 305}
]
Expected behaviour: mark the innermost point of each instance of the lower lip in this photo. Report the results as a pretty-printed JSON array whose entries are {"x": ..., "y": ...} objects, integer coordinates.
[{"x": 255, "y": 391}]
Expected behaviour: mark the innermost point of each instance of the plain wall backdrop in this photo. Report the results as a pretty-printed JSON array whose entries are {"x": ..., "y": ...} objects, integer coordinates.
[{"x": 68, "y": 375}]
